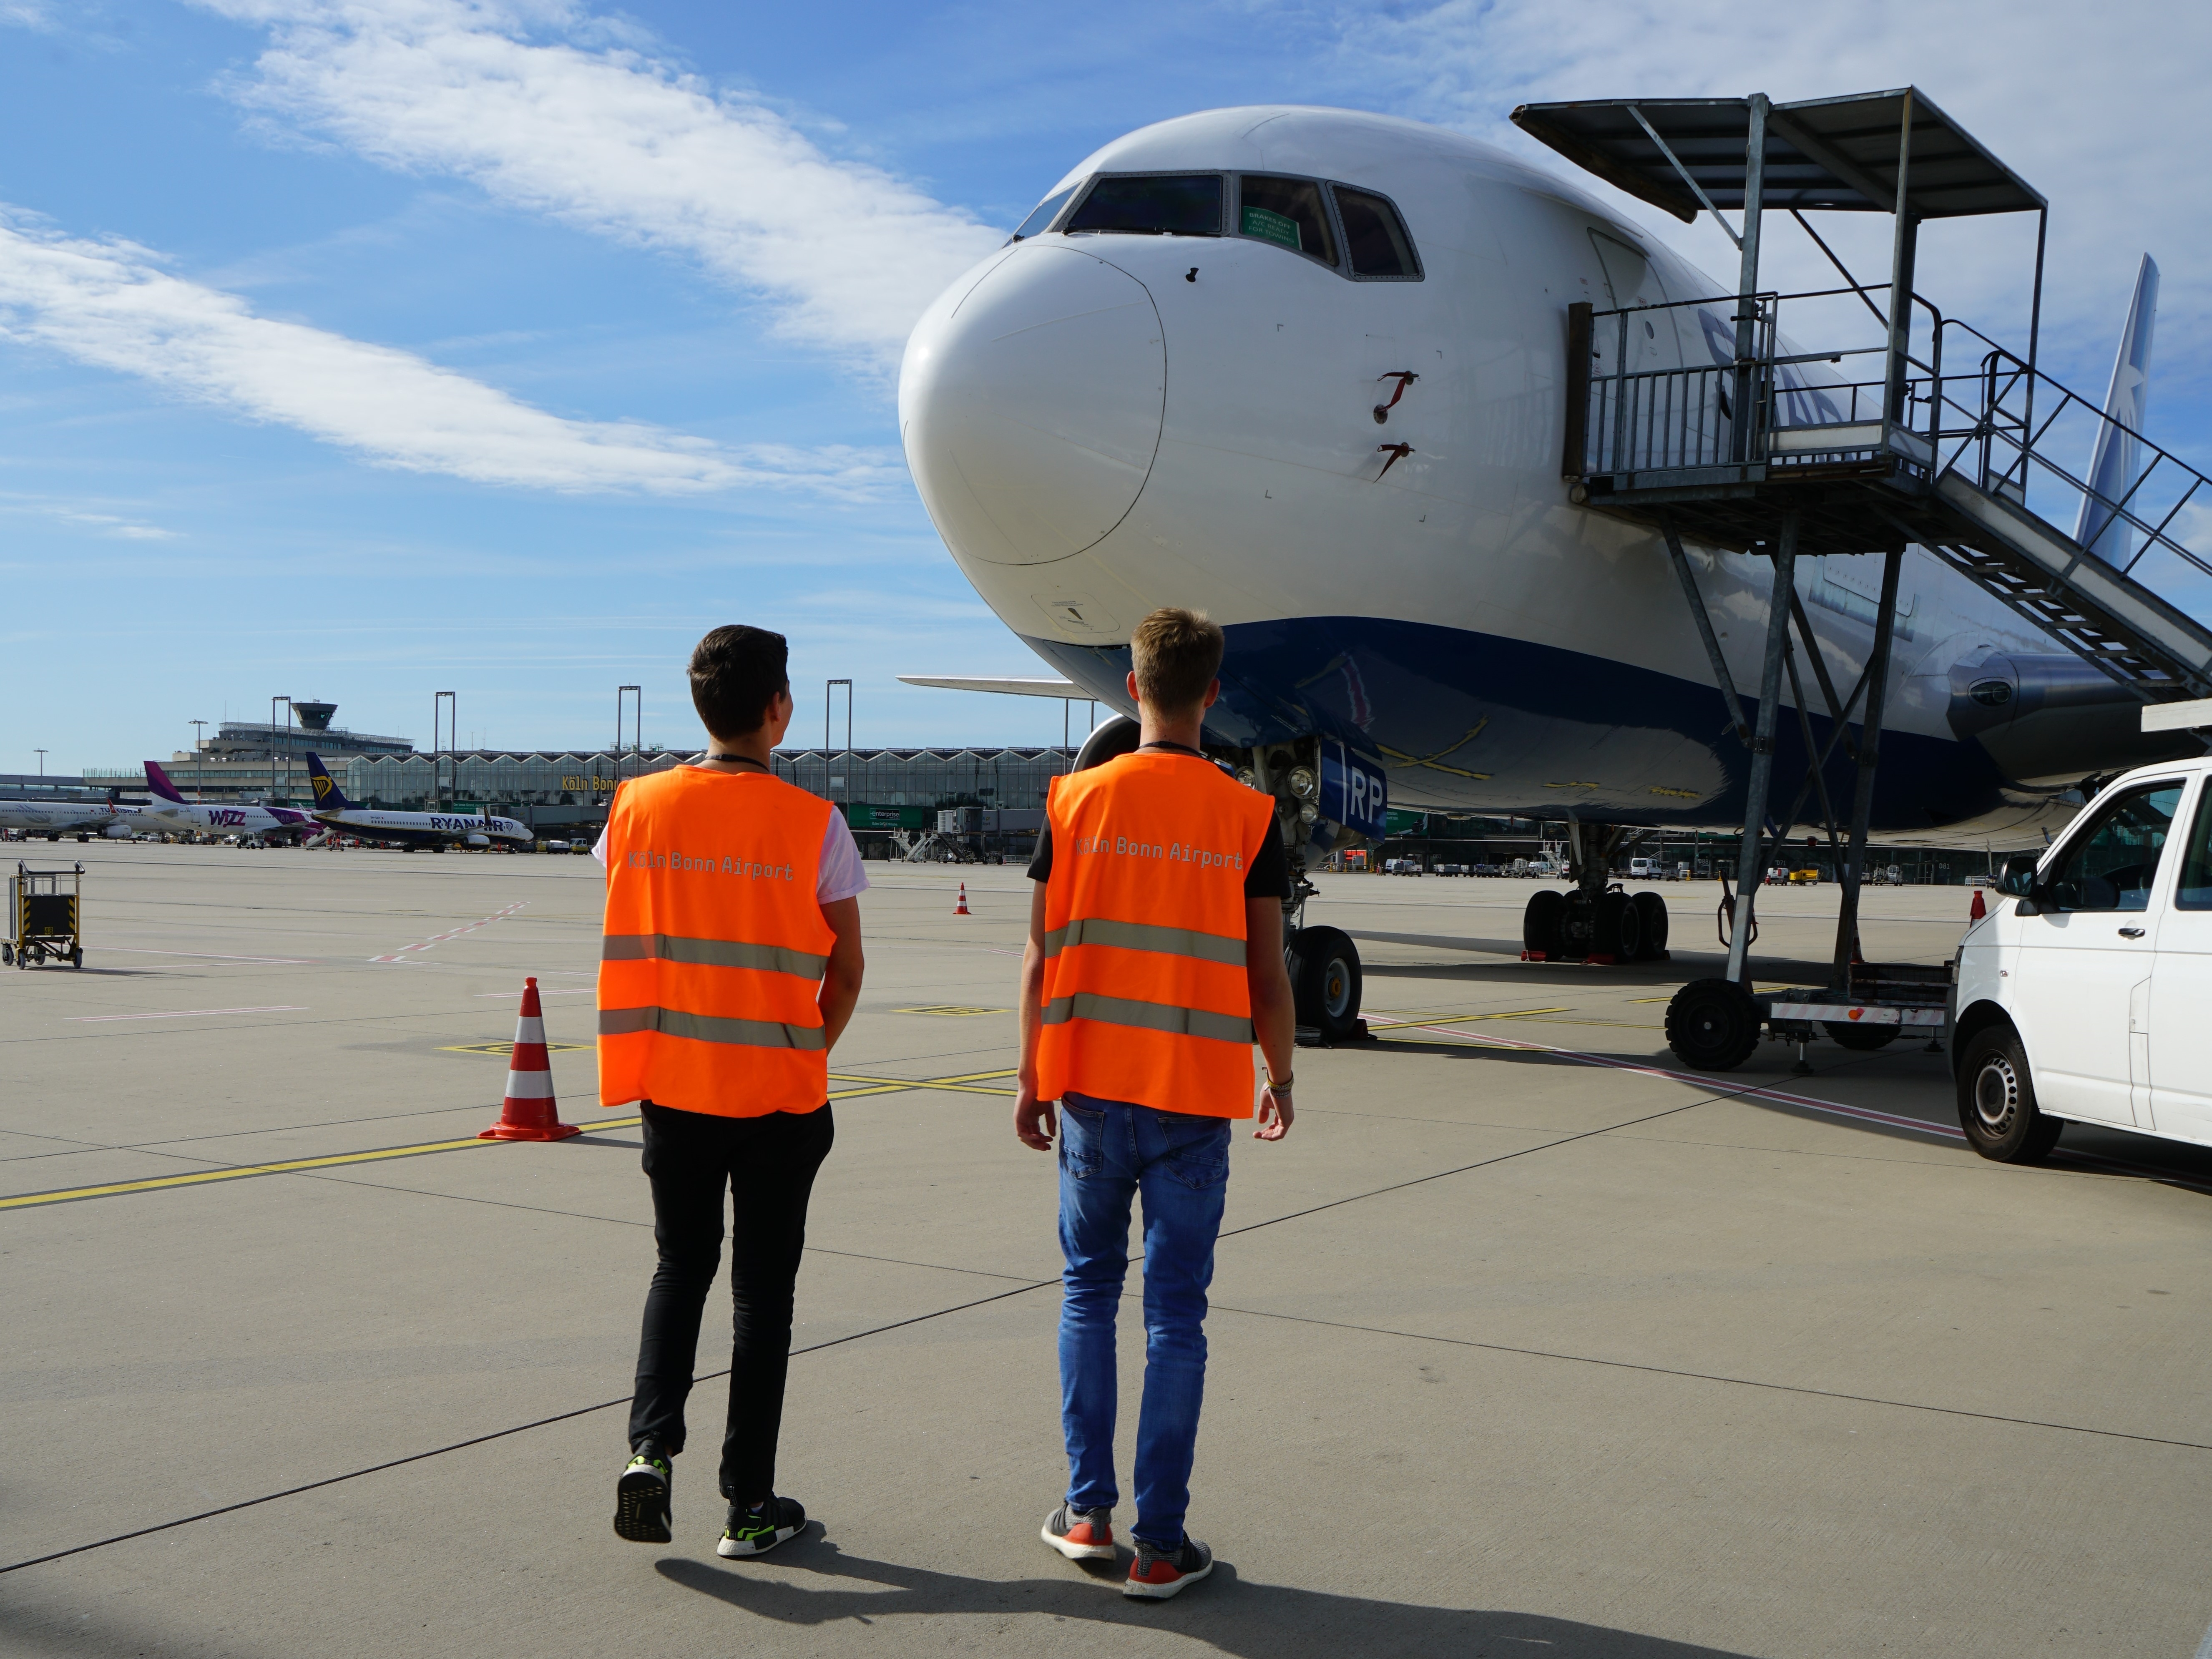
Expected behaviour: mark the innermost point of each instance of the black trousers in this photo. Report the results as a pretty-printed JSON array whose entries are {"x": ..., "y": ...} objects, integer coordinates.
[{"x": 768, "y": 1165}]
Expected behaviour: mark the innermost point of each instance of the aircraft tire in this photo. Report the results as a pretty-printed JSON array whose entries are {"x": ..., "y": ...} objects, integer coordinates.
[
  {"x": 1860, "y": 1039},
  {"x": 1652, "y": 910},
  {"x": 1325, "y": 981},
  {"x": 1617, "y": 928},
  {"x": 1996, "y": 1100},
  {"x": 1540, "y": 922},
  {"x": 1712, "y": 1025}
]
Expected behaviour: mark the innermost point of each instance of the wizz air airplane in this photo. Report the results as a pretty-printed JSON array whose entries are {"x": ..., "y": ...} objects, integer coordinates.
[
  {"x": 435, "y": 830},
  {"x": 169, "y": 810},
  {"x": 1305, "y": 368},
  {"x": 81, "y": 819}
]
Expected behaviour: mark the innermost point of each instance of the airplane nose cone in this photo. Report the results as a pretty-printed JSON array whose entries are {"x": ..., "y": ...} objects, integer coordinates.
[{"x": 1031, "y": 406}]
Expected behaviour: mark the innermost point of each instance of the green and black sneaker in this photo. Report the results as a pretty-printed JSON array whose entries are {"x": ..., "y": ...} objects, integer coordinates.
[
  {"x": 758, "y": 1531},
  {"x": 641, "y": 1512}
]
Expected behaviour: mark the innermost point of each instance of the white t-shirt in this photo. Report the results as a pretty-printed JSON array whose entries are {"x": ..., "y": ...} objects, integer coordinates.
[{"x": 842, "y": 874}]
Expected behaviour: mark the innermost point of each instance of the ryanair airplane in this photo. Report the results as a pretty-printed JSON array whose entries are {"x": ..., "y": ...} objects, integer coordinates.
[{"x": 435, "y": 830}]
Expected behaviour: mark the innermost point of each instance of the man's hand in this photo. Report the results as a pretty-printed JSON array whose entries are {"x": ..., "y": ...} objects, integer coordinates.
[
  {"x": 1033, "y": 1118},
  {"x": 1275, "y": 1115}
]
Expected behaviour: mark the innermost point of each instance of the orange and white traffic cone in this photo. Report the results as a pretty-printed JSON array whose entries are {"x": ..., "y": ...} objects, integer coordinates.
[
  {"x": 961, "y": 908},
  {"x": 1978, "y": 910},
  {"x": 529, "y": 1113}
]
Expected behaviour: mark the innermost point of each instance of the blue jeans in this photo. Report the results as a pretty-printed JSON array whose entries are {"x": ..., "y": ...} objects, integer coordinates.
[{"x": 1110, "y": 1152}]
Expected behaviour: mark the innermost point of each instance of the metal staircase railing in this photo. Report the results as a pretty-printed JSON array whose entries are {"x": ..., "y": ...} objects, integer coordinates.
[{"x": 1969, "y": 466}]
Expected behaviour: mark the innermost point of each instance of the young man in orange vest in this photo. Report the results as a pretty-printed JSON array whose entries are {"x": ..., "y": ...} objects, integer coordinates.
[
  {"x": 1155, "y": 958},
  {"x": 729, "y": 965}
]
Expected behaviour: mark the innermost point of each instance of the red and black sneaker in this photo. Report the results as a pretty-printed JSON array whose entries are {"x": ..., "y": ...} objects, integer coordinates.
[
  {"x": 1157, "y": 1574},
  {"x": 1080, "y": 1534}
]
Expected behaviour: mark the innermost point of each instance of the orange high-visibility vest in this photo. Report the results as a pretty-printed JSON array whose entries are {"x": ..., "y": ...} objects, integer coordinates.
[
  {"x": 715, "y": 945},
  {"x": 1145, "y": 994}
]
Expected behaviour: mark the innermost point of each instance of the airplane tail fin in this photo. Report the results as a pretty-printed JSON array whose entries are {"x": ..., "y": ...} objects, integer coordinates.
[
  {"x": 329, "y": 798},
  {"x": 158, "y": 781},
  {"x": 2117, "y": 460}
]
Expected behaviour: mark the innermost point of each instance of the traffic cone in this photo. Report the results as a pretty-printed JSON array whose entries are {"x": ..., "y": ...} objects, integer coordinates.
[
  {"x": 961, "y": 908},
  {"x": 528, "y": 1113},
  {"x": 1978, "y": 910}
]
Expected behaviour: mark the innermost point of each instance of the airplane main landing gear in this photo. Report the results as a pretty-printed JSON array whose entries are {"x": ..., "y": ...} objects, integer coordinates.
[{"x": 1598, "y": 922}]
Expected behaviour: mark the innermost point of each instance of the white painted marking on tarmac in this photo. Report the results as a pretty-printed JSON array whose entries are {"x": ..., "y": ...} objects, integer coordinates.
[
  {"x": 402, "y": 953},
  {"x": 190, "y": 1013},
  {"x": 2204, "y": 1647},
  {"x": 218, "y": 956}
]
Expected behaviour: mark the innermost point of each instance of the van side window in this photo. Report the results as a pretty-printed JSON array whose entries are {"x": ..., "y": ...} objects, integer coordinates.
[
  {"x": 2194, "y": 891},
  {"x": 2109, "y": 865}
]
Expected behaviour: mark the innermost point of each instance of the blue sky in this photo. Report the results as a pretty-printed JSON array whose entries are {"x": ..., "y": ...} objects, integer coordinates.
[{"x": 366, "y": 349}]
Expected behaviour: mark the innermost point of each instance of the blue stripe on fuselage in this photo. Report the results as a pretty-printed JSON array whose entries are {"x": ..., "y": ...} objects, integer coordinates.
[{"x": 1479, "y": 722}]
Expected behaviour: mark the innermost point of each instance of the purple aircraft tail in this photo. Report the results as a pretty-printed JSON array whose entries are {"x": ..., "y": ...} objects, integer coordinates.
[{"x": 158, "y": 781}]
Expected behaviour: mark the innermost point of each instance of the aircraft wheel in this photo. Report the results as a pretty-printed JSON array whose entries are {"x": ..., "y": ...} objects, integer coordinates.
[
  {"x": 1325, "y": 981},
  {"x": 1996, "y": 1100},
  {"x": 1618, "y": 929},
  {"x": 1652, "y": 910},
  {"x": 1540, "y": 922},
  {"x": 1860, "y": 1039},
  {"x": 1712, "y": 1025}
]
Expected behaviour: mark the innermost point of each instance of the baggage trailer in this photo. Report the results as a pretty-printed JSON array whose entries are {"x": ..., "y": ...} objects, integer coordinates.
[{"x": 44, "y": 917}]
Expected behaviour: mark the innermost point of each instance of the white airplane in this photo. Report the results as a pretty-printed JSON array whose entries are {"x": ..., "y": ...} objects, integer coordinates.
[
  {"x": 81, "y": 818},
  {"x": 170, "y": 811},
  {"x": 435, "y": 830},
  {"x": 1168, "y": 388}
]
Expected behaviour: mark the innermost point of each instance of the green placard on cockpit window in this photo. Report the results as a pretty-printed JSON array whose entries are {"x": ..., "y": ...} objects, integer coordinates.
[{"x": 1272, "y": 227}]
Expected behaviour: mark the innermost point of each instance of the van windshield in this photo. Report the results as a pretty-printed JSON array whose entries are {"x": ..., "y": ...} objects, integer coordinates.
[{"x": 1160, "y": 205}]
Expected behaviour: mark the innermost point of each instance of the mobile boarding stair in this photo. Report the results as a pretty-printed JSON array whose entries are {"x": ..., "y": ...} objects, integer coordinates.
[{"x": 1943, "y": 439}]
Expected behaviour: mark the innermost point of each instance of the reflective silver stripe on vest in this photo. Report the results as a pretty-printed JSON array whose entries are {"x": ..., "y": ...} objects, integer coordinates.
[
  {"x": 709, "y": 1028},
  {"x": 1143, "y": 936},
  {"x": 711, "y": 953},
  {"x": 1148, "y": 1017}
]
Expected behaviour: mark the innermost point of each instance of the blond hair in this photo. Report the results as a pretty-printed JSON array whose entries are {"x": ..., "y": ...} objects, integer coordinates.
[{"x": 1176, "y": 653}]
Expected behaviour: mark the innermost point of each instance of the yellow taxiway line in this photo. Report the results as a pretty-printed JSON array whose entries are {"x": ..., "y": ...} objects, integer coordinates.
[{"x": 967, "y": 1083}]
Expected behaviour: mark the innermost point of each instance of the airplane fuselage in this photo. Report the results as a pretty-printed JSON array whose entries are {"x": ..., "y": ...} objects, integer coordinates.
[
  {"x": 1100, "y": 422},
  {"x": 428, "y": 828}
]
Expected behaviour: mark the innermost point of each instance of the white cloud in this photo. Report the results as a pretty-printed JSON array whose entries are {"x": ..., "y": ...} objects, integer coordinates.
[
  {"x": 2099, "y": 109},
  {"x": 108, "y": 303},
  {"x": 609, "y": 138}
]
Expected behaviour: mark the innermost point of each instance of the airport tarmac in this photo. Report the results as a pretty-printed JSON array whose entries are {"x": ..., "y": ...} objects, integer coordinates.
[{"x": 1522, "y": 1342}]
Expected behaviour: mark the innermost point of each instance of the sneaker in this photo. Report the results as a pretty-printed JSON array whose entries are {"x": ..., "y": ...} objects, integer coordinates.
[
  {"x": 758, "y": 1531},
  {"x": 641, "y": 1513},
  {"x": 1157, "y": 1574},
  {"x": 1080, "y": 1534}
]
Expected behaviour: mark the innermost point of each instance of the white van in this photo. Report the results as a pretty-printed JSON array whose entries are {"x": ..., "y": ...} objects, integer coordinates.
[{"x": 2082, "y": 996}]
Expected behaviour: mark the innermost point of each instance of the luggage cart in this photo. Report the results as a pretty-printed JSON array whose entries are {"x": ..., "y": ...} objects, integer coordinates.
[{"x": 43, "y": 916}]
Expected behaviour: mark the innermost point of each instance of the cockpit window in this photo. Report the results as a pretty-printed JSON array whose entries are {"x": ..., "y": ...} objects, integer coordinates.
[
  {"x": 1375, "y": 235},
  {"x": 1042, "y": 215},
  {"x": 1287, "y": 212},
  {"x": 1186, "y": 205}
]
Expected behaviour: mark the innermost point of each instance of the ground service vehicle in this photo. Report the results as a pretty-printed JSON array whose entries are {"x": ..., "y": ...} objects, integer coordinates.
[{"x": 2082, "y": 995}]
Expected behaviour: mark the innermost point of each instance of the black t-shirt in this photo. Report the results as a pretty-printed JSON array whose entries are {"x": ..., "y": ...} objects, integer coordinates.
[{"x": 1269, "y": 875}]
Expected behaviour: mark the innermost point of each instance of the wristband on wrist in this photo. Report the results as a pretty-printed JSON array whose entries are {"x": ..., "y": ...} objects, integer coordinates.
[{"x": 1281, "y": 1086}]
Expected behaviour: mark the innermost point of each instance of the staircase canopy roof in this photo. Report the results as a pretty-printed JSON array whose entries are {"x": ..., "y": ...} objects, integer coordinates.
[{"x": 1838, "y": 154}]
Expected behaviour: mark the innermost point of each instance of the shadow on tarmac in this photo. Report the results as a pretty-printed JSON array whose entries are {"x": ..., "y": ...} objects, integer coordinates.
[{"x": 1261, "y": 1621}]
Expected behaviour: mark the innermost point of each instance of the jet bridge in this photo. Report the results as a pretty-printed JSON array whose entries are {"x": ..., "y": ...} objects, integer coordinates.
[{"x": 1816, "y": 431}]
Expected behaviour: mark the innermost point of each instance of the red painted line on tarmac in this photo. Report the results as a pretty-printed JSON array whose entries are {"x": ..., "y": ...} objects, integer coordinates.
[{"x": 401, "y": 955}]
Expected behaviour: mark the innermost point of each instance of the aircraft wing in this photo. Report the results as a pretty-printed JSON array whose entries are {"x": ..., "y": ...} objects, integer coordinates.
[{"x": 1064, "y": 690}]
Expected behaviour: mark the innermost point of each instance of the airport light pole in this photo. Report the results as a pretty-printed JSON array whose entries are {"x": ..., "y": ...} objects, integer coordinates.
[
  {"x": 284, "y": 792},
  {"x": 42, "y": 762},
  {"x": 633, "y": 698},
  {"x": 452, "y": 700},
  {"x": 199, "y": 736},
  {"x": 829, "y": 692}
]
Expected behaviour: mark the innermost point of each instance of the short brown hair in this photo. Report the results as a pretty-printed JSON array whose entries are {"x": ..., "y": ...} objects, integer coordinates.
[
  {"x": 1176, "y": 653},
  {"x": 736, "y": 673}
]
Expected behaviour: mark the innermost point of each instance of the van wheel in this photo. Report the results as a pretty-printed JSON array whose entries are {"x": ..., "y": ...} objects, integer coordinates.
[
  {"x": 1651, "y": 911},
  {"x": 1325, "y": 981},
  {"x": 1712, "y": 1025},
  {"x": 1540, "y": 922},
  {"x": 1996, "y": 1100}
]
